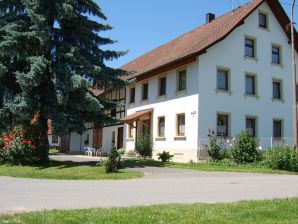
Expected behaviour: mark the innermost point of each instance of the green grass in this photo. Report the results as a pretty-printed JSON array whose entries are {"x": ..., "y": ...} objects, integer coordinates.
[
  {"x": 65, "y": 171},
  {"x": 53, "y": 151},
  {"x": 257, "y": 212},
  {"x": 204, "y": 166}
]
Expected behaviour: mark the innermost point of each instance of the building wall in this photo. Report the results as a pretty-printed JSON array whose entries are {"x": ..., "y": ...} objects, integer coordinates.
[
  {"x": 169, "y": 106},
  {"x": 51, "y": 144},
  {"x": 107, "y": 137},
  {"x": 77, "y": 140},
  {"x": 230, "y": 53}
]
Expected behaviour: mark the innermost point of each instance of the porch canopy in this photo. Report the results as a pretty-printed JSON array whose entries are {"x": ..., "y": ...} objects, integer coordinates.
[{"x": 135, "y": 116}]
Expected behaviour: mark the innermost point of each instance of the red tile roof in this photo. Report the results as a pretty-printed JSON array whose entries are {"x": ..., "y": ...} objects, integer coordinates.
[
  {"x": 133, "y": 117},
  {"x": 197, "y": 41}
]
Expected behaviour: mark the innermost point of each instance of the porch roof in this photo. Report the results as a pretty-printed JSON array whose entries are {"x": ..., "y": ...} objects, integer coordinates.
[{"x": 135, "y": 116}]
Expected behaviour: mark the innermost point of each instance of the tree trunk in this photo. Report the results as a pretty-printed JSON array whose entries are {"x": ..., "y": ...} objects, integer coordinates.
[{"x": 42, "y": 129}]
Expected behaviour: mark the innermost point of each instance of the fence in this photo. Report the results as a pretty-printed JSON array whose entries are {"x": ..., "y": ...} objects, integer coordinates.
[{"x": 264, "y": 144}]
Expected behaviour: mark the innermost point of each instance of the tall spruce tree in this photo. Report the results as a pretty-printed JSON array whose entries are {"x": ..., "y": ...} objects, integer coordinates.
[{"x": 51, "y": 58}]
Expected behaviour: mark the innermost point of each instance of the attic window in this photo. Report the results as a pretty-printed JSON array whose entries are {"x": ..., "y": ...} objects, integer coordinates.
[{"x": 262, "y": 20}]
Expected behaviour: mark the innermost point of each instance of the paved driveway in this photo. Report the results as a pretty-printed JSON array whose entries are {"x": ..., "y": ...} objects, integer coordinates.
[{"x": 159, "y": 186}]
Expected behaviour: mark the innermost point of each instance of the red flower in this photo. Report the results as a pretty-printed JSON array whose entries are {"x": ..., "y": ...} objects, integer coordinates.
[
  {"x": 33, "y": 147},
  {"x": 6, "y": 139},
  {"x": 24, "y": 142},
  {"x": 29, "y": 142},
  {"x": 21, "y": 134}
]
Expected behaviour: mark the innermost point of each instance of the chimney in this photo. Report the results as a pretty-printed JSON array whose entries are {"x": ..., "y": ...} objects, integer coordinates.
[{"x": 210, "y": 17}]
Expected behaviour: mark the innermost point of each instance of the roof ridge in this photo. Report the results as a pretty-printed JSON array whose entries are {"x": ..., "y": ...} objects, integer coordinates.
[
  {"x": 186, "y": 34},
  {"x": 190, "y": 44}
]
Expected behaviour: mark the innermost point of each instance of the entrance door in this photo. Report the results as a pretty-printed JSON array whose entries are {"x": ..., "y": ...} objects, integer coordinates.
[
  {"x": 120, "y": 138},
  {"x": 65, "y": 140},
  {"x": 97, "y": 138}
]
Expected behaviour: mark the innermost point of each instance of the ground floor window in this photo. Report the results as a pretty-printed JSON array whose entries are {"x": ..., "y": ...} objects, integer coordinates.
[
  {"x": 54, "y": 139},
  {"x": 161, "y": 127},
  {"x": 251, "y": 126},
  {"x": 130, "y": 131},
  {"x": 113, "y": 137},
  {"x": 223, "y": 125},
  {"x": 277, "y": 128},
  {"x": 181, "y": 124}
]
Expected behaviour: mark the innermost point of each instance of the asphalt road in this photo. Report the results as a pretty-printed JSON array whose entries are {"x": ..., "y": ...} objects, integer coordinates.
[{"x": 159, "y": 186}]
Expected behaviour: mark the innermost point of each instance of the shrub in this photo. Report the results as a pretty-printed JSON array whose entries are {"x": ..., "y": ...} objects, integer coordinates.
[
  {"x": 3, "y": 152},
  {"x": 114, "y": 161},
  {"x": 165, "y": 156},
  {"x": 144, "y": 146},
  {"x": 121, "y": 151},
  {"x": 131, "y": 153},
  {"x": 214, "y": 150},
  {"x": 19, "y": 147},
  {"x": 245, "y": 149},
  {"x": 282, "y": 158}
]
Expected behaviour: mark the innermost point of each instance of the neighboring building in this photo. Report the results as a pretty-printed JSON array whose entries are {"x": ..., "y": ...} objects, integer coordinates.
[
  {"x": 231, "y": 74},
  {"x": 107, "y": 135}
]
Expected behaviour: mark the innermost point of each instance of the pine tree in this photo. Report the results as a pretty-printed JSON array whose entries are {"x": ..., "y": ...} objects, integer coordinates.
[{"x": 51, "y": 58}]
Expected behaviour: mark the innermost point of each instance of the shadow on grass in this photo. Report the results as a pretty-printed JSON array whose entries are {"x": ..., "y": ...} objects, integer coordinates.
[
  {"x": 64, "y": 164},
  {"x": 141, "y": 163}
]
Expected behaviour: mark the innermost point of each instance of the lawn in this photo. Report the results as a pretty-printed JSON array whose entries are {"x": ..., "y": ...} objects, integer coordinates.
[
  {"x": 204, "y": 166},
  {"x": 257, "y": 212},
  {"x": 65, "y": 171}
]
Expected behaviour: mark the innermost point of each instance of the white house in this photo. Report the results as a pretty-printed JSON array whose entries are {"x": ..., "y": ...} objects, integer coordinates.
[{"x": 229, "y": 75}]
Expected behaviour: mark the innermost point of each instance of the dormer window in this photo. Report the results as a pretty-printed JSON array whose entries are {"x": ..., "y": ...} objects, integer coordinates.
[{"x": 263, "y": 20}]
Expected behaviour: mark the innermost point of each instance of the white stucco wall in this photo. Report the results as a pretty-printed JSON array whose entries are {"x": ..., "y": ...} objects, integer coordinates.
[
  {"x": 51, "y": 144},
  {"x": 107, "y": 137},
  {"x": 77, "y": 140},
  {"x": 230, "y": 53},
  {"x": 169, "y": 106}
]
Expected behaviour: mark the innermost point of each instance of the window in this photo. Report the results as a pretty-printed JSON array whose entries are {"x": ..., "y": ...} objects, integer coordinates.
[
  {"x": 262, "y": 20},
  {"x": 182, "y": 80},
  {"x": 132, "y": 95},
  {"x": 113, "y": 137},
  {"x": 249, "y": 47},
  {"x": 54, "y": 139},
  {"x": 86, "y": 142},
  {"x": 113, "y": 112},
  {"x": 130, "y": 131},
  {"x": 251, "y": 126},
  {"x": 223, "y": 125},
  {"x": 145, "y": 92},
  {"x": 223, "y": 80},
  {"x": 117, "y": 96},
  {"x": 161, "y": 127},
  {"x": 250, "y": 85},
  {"x": 277, "y": 90},
  {"x": 275, "y": 55},
  {"x": 181, "y": 124},
  {"x": 277, "y": 128},
  {"x": 162, "y": 86}
]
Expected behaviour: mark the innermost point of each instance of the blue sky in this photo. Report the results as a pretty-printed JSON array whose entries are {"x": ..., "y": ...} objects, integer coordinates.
[{"x": 142, "y": 25}]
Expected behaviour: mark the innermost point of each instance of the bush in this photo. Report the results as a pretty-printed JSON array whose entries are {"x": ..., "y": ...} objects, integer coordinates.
[
  {"x": 165, "y": 156},
  {"x": 245, "y": 149},
  {"x": 144, "y": 146},
  {"x": 214, "y": 150},
  {"x": 19, "y": 147},
  {"x": 282, "y": 158},
  {"x": 131, "y": 153},
  {"x": 114, "y": 161}
]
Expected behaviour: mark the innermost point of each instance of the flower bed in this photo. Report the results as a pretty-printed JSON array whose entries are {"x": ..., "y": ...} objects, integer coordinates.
[{"x": 18, "y": 146}]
